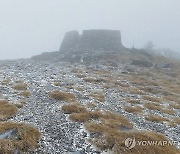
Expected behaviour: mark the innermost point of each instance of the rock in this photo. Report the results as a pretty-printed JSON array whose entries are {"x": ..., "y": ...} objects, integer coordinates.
[
  {"x": 92, "y": 40},
  {"x": 141, "y": 63},
  {"x": 8, "y": 134},
  {"x": 163, "y": 65},
  {"x": 70, "y": 41}
]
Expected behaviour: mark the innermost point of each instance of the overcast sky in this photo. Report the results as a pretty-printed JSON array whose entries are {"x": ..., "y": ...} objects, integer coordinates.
[{"x": 30, "y": 27}]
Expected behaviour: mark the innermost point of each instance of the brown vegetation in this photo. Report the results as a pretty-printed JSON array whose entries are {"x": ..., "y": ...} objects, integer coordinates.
[
  {"x": 80, "y": 75},
  {"x": 63, "y": 96},
  {"x": 176, "y": 120},
  {"x": 25, "y": 93},
  {"x": 114, "y": 140},
  {"x": 91, "y": 105},
  {"x": 20, "y": 104},
  {"x": 116, "y": 118},
  {"x": 25, "y": 139},
  {"x": 5, "y": 82},
  {"x": 155, "y": 106},
  {"x": 150, "y": 90},
  {"x": 57, "y": 84},
  {"x": 167, "y": 111},
  {"x": 95, "y": 80},
  {"x": 175, "y": 106},
  {"x": 7, "y": 110},
  {"x": 133, "y": 101},
  {"x": 156, "y": 118},
  {"x": 136, "y": 109},
  {"x": 117, "y": 83},
  {"x": 79, "y": 89},
  {"x": 73, "y": 108},
  {"x": 152, "y": 99},
  {"x": 20, "y": 86},
  {"x": 152, "y": 106},
  {"x": 133, "y": 90},
  {"x": 80, "y": 117},
  {"x": 100, "y": 97}
]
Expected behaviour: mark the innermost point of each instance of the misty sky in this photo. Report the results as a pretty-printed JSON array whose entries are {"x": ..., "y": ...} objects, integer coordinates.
[{"x": 29, "y": 27}]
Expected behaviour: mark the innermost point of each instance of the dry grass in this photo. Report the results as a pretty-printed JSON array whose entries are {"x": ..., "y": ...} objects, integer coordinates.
[
  {"x": 25, "y": 93},
  {"x": 108, "y": 86},
  {"x": 96, "y": 114},
  {"x": 95, "y": 80},
  {"x": 80, "y": 117},
  {"x": 152, "y": 106},
  {"x": 76, "y": 70},
  {"x": 20, "y": 104},
  {"x": 176, "y": 120},
  {"x": 73, "y": 108},
  {"x": 80, "y": 114},
  {"x": 136, "y": 109},
  {"x": 91, "y": 105},
  {"x": 57, "y": 84},
  {"x": 7, "y": 110},
  {"x": 63, "y": 96},
  {"x": 110, "y": 137},
  {"x": 133, "y": 101},
  {"x": 136, "y": 91},
  {"x": 80, "y": 75},
  {"x": 79, "y": 89},
  {"x": 156, "y": 118},
  {"x": 150, "y": 90},
  {"x": 174, "y": 98},
  {"x": 25, "y": 139},
  {"x": 5, "y": 82},
  {"x": 20, "y": 86},
  {"x": 117, "y": 83},
  {"x": 175, "y": 106},
  {"x": 100, "y": 97},
  {"x": 167, "y": 111},
  {"x": 114, "y": 140},
  {"x": 96, "y": 127},
  {"x": 70, "y": 86},
  {"x": 141, "y": 80},
  {"x": 116, "y": 118},
  {"x": 152, "y": 99}
]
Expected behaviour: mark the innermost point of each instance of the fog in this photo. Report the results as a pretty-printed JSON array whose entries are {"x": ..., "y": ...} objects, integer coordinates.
[{"x": 30, "y": 27}]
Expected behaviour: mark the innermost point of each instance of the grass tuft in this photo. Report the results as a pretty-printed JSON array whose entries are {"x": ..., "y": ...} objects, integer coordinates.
[
  {"x": 156, "y": 118},
  {"x": 24, "y": 139},
  {"x": 20, "y": 86},
  {"x": 73, "y": 108},
  {"x": 136, "y": 109},
  {"x": 25, "y": 93},
  {"x": 80, "y": 117},
  {"x": 7, "y": 110},
  {"x": 100, "y": 97},
  {"x": 63, "y": 96},
  {"x": 152, "y": 99},
  {"x": 5, "y": 82},
  {"x": 115, "y": 141}
]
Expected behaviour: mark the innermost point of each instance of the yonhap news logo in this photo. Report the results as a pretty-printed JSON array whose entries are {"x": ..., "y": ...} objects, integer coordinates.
[{"x": 132, "y": 142}]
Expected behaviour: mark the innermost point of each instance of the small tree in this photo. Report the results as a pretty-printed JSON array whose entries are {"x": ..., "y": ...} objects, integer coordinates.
[{"x": 149, "y": 46}]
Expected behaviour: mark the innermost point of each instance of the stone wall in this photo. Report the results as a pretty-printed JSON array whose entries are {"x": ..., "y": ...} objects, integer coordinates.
[{"x": 92, "y": 40}]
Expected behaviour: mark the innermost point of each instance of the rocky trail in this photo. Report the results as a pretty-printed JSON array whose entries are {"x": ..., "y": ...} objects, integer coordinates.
[{"x": 59, "y": 134}]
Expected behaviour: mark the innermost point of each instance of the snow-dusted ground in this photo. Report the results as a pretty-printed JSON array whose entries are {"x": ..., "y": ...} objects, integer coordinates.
[{"x": 60, "y": 135}]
